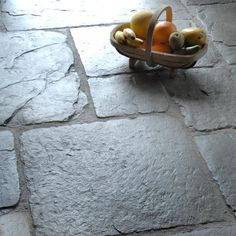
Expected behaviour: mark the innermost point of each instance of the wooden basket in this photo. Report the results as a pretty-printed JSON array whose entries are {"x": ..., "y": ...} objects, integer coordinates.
[{"x": 153, "y": 58}]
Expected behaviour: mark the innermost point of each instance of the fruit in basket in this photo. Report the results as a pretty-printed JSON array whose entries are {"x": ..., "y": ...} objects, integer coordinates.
[
  {"x": 161, "y": 47},
  {"x": 120, "y": 37},
  {"x": 129, "y": 33},
  {"x": 188, "y": 50},
  {"x": 137, "y": 42},
  {"x": 194, "y": 36},
  {"x": 139, "y": 23},
  {"x": 176, "y": 41},
  {"x": 162, "y": 31}
]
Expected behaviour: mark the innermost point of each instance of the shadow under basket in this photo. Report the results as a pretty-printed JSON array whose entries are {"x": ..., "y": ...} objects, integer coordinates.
[{"x": 153, "y": 58}]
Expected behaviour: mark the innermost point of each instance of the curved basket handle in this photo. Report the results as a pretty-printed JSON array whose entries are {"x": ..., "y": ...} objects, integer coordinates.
[{"x": 151, "y": 27}]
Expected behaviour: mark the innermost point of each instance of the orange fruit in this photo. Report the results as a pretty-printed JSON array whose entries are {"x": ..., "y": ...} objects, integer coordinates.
[
  {"x": 162, "y": 31},
  {"x": 139, "y": 23},
  {"x": 161, "y": 47}
]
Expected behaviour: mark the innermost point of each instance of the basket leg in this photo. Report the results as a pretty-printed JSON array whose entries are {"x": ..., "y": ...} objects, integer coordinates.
[
  {"x": 173, "y": 72},
  {"x": 132, "y": 62}
]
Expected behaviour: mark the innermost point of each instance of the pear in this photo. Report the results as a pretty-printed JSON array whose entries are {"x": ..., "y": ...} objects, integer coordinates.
[{"x": 176, "y": 40}]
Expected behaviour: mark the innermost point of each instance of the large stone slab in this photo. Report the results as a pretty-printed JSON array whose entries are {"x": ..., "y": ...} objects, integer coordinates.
[
  {"x": 207, "y": 2},
  {"x": 37, "y": 82},
  {"x": 219, "y": 20},
  {"x": 226, "y": 230},
  {"x": 9, "y": 181},
  {"x": 206, "y": 97},
  {"x": 14, "y": 224},
  {"x": 53, "y": 14},
  {"x": 219, "y": 151},
  {"x": 128, "y": 175},
  {"x": 128, "y": 94}
]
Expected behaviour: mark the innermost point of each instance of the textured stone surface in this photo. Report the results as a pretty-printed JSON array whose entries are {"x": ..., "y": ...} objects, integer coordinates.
[
  {"x": 206, "y": 2},
  {"x": 229, "y": 230},
  {"x": 58, "y": 13},
  {"x": 33, "y": 92},
  {"x": 125, "y": 175},
  {"x": 9, "y": 182},
  {"x": 128, "y": 94},
  {"x": 206, "y": 96},
  {"x": 225, "y": 229},
  {"x": 219, "y": 151},
  {"x": 14, "y": 224},
  {"x": 219, "y": 22}
]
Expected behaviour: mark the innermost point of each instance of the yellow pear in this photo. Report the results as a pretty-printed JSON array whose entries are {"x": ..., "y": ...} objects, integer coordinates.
[{"x": 139, "y": 23}]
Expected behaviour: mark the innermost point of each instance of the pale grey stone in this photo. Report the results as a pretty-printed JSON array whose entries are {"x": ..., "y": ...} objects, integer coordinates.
[
  {"x": 37, "y": 82},
  {"x": 206, "y": 2},
  {"x": 59, "y": 97},
  {"x": 206, "y": 97},
  {"x": 14, "y": 224},
  {"x": 128, "y": 94},
  {"x": 211, "y": 58},
  {"x": 226, "y": 230},
  {"x": 220, "y": 22},
  {"x": 219, "y": 151},
  {"x": 53, "y": 14},
  {"x": 126, "y": 175},
  {"x": 9, "y": 181}
]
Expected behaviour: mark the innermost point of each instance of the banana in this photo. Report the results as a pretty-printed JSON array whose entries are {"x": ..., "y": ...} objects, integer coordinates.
[
  {"x": 119, "y": 37},
  {"x": 137, "y": 42},
  {"x": 188, "y": 50},
  {"x": 129, "y": 34}
]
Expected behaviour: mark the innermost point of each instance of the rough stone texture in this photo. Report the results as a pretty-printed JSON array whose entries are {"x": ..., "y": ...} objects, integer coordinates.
[
  {"x": 225, "y": 229},
  {"x": 128, "y": 94},
  {"x": 14, "y": 224},
  {"x": 58, "y": 13},
  {"x": 9, "y": 182},
  {"x": 33, "y": 92},
  {"x": 219, "y": 151},
  {"x": 125, "y": 175},
  {"x": 207, "y": 2},
  {"x": 229, "y": 230},
  {"x": 219, "y": 22},
  {"x": 206, "y": 96}
]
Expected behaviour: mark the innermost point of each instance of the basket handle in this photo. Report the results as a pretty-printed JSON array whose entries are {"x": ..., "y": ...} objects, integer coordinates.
[{"x": 151, "y": 27}]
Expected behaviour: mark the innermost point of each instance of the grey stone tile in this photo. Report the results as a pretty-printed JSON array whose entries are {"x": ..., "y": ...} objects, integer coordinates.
[
  {"x": 37, "y": 83},
  {"x": 219, "y": 20},
  {"x": 14, "y": 224},
  {"x": 206, "y": 97},
  {"x": 229, "y": 230},
  {"x": 126, "y": 175},
  {"x": 207, "y": 2},
  {"x": 9, "y": 181},
  {"x": 219, "y": 151},
  {"x": 51, "y": 14},
  {"x": 128, "y": 94}
]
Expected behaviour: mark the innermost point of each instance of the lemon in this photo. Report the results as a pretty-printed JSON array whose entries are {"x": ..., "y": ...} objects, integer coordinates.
[{"x": 139, "y": 23}]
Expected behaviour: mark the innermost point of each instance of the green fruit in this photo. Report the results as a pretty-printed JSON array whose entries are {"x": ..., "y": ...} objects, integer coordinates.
[
  {"x": 176, "y": 40},
  {"x": 188, "y": 50},
  {"x": 194, "y": 36}
]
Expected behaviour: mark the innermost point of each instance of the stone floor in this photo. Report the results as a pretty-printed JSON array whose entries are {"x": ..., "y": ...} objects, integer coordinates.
[{"x": 90, "y": 147}]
